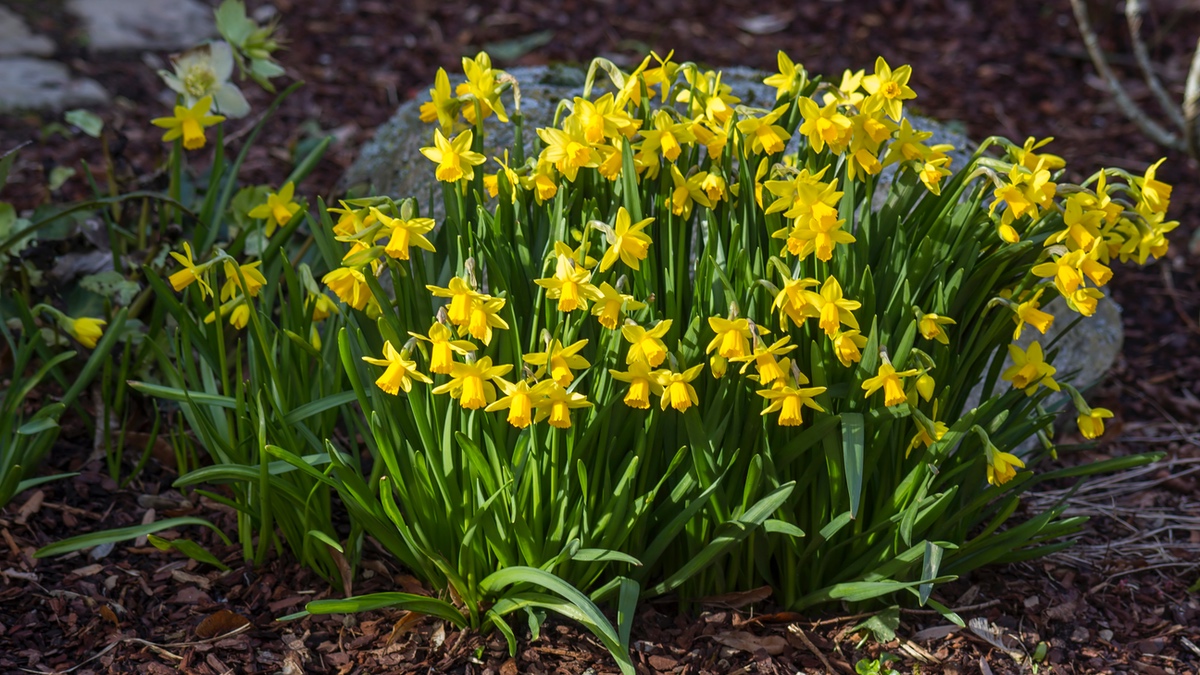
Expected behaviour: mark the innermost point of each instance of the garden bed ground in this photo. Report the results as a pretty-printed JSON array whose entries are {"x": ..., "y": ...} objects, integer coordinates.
[{"x": 1115, "y": 603}]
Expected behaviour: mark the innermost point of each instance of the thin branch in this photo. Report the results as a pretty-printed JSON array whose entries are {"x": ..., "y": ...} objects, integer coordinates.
[
  {"x": 1135, "y": 114},
  {"x": 1133, "y": 16}
]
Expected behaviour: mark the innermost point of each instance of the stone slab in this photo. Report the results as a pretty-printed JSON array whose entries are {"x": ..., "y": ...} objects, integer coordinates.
[
  {"x": 38, "y": 84},
  {"x": 138, "y": 25},
  {"x": 16, "y": 38}
]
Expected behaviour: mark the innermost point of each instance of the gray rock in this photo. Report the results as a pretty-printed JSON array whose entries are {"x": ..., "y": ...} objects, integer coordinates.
[
  {"x": 16, "y": 39},
  {"x": 133, "y": 25},
  {"x": 36, "y": 84}
]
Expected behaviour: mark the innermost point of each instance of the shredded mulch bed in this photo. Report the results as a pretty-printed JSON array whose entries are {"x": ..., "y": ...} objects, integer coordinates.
[{"x": 1116, "y": 602}]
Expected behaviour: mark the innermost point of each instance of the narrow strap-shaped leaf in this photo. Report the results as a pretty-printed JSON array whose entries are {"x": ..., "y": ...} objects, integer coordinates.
[
  {"x": 122, "y": 534},
  {"x": 410, "y": 601}
]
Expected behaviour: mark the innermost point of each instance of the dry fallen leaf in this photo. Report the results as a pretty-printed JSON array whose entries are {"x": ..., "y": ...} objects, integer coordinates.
[
  {"x": 404, "y": 625},
  {"x": 738, "y": 599},
  {"x": 107, "y": 613},
  {"x": 219, "y": 623},
  {"x": 30, "y": 507},
  {"x": 934, "y": 633},
  {"x": 749, "y": 642}
]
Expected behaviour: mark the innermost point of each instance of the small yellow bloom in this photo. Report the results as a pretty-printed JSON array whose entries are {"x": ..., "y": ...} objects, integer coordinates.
[
  {"x": 825, "y": 126},
  {"x": 254, "y": 279},
  {"x": 687, "y": 192},
  {"x": 833, "y": 308},
  {"x": 350, "y": 286},
  {"x": 86, "y": 330},
  {"x": 678, "y": 391},
  {"x": 455, "y": 159},
  {"x": 484, "y": 316},
  {"x": 278, "y": 209},
  {"x": 568, "y": 152},
  {"x": 400, "y": 373},
  {"x": 403, "y": 234},
  {"x": 1028, "y": 313},
  {"x": 571, "y": 285},
  {"x": 471, "y": 383},
  {"x": 933, "y": 172},
  {"x": 1091, "y": 422},
  {"x": 847, "y": 346},
  {"x": 559, "y": 360},
  {"x": 519, "y": 400},
  {"x": 610, "y": 304},
  {"x": 462, "y": 300},
  {"x": 1002, "y": 466},
  {"x": 442, "y": 106},
  {"x": 1029, "y": 369},
  {"x": 190, "y": 273},
  {"x": 557, "y": 405},
  {"x": 794, "y": 302},
  {"x": 764, "y": 134},
  {"x": 789, "y": 80},
  {"x": 627, "y": 241},
  {"x": 323, "y": 307},
  {"x": 642, "y": 383},
  {"x": 189, "y": 123},
  {"x": 888, "y": 89},
  {"x": 769, "y": 370},
  {"x": 891, "y": 382},
  {"x": 930, "y": 326},
  {"x": 646, "y": 345},
  {"x": 790, "y": 401},
  {"x": 732, "y": 338},
  {"x": 443, "y": 347},
  {"x": 1155, "y": 194}
]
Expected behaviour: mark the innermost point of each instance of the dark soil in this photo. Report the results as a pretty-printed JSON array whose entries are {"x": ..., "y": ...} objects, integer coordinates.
[{"x": 1117, "y": 602}]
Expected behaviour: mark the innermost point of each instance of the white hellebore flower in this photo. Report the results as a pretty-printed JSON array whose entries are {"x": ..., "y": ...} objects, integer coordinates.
[{"x": 205, "y": 71}]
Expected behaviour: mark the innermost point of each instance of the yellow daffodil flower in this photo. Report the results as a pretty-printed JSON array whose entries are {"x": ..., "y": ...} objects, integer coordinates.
[
  {"x": 462, "y": 300},
  {"x": 1026, "y": 156},
  {"x": 789, "y": 80},
  {"x": 519, "y": 400},
  {"x": 678, "y": 391},
  {"x": 627, "y": 241},
  {"x": 888, "y": 89},
  {"x": 642, "y": 383},
  {"x": 350, "y": 285},
  {"x": 86, "y": 330},
  {"x": 254, "y": 279},
  {"x": 568, "y": 152},
  {"x": 764, "y": 134},
  {"x": 1091, "y": 422},
  {"x": 559, "y": 361},
  {"x": 825, "y": 126},
  {"x": 443, "y": 347},
  {"x": 789, "y": 401},
  {"x": 611, "y": 303},
  {"x": 471, "y": 383},
  {"x": 400, "y": 373},
  {"x": 847, "y": 346},
  {"x": 687, "y": 192},
  {"x": 834, "y": 309},
  {"x": 279, "y": 208},
  {"x": 668, "y": 136},
  {"x": 932, "y": 173},
  {"x": 732, "y": 339},
  {"x": 1002, "y": 466},
  {"x": 794, "y": 303},
  {"x": 1027, "y": 312},
  {"x": 890, "y": 381},
  {"x": 646, "y": 345},
  {"x": 189, "y": 123},
  {"x": 571, "y": 285},
  {"x": 557, "y": 405},
  {"x": 403, "y": 234},
  {"x": 1029, "y": 370},
  {"x": 484, "y": 316},
  {"x": 442, "y": 106},
  {"x": 768, "y": 369},
  {"x": 1155, "y": 194},
  {"x": 191, "y": 272},
  {"x": 455, "y": 159},
  {"x": 930, "y": 327}
]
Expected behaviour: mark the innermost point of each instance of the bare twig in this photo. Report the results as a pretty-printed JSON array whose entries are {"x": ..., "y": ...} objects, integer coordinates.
[
  {"x": 1133, "y": 16},
  {"x": 1138, "y": 116},
  {"x": 799, "y": 632}
]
